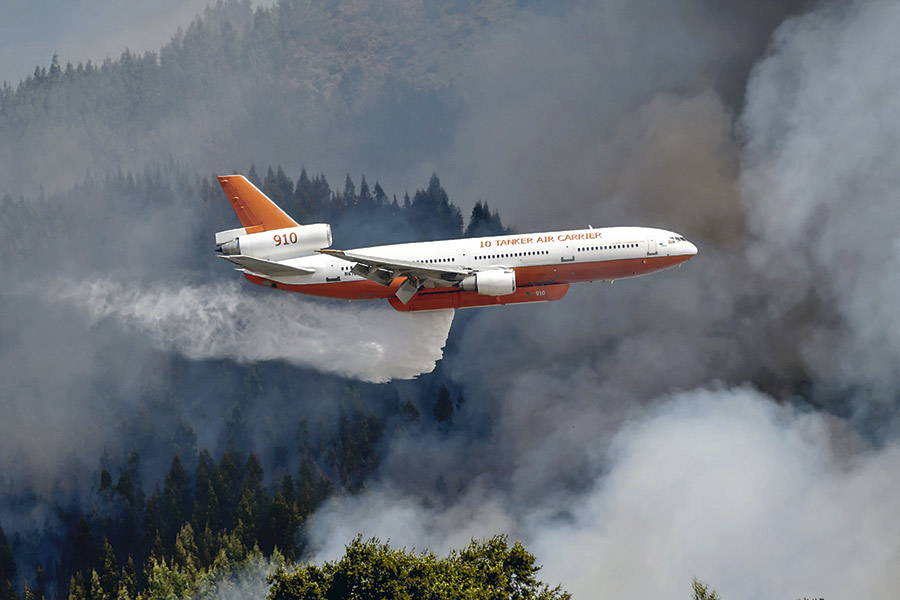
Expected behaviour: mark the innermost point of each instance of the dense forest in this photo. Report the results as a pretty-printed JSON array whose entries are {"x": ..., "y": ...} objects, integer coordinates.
[
  {"x": 242, "y": 82},
  {"x": 160, "y": 488},
  {"x": 217, "y": 507}
]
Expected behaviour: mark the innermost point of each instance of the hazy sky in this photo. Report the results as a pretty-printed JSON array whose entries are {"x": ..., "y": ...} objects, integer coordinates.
[{"x": 32, "y": 30}]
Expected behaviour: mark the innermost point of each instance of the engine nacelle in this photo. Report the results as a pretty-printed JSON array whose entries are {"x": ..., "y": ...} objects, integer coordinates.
[
  {"x": 280, "y": 244},
  {"x": 496, "y": 282}
]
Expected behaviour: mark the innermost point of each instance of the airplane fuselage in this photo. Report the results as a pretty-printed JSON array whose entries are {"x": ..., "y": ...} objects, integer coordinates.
[
  {"x": 544, "y": 265},
  {"x": 273, "y": 250}
]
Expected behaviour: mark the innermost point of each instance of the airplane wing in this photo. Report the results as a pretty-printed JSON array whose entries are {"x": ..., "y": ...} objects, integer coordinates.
[
  {"x": 383, "y": 271},
  {"x": 400, "y": 267},
  {"x": 267, "y": 268}
]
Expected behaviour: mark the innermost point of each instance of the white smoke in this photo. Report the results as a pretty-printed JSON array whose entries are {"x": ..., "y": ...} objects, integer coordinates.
[
  {"x": 760, "y": 500},
  {"x": 247, "y": 581},
  {"x": 820, "y": 180},
  {"x": 757, "y": 498},
  {"x": 359, "y": 340}
]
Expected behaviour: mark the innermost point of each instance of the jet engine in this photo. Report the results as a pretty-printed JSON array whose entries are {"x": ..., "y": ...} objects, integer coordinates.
[
  {"x": 279, "y": 244},
  {"x": 495, "y": 282}
]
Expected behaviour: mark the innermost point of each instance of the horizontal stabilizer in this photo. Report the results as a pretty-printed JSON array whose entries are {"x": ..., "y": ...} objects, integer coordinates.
[
  {"x": 267, "y": 268},
  {"x": 223, "y": 237}
]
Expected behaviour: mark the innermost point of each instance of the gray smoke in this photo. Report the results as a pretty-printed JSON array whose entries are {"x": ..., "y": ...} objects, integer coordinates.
[
  {"x": 623, "y": 484},
  {"x": 820, "y": 177},
  {"x": 248, "y": 581},
  {"x": 759, "y": 499}
]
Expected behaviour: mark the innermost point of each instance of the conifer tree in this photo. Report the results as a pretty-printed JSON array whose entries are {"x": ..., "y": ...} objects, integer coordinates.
[
  {"x": 443, "y": 406},
  {"x": 7, "y": 568},
  {"x": 109, "y": 571}
]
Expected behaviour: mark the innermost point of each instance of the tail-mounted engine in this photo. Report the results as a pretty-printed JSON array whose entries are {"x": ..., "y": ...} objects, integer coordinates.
[
  {"x": 495, "y": 282},
  {"x": 278, "y": 244}
]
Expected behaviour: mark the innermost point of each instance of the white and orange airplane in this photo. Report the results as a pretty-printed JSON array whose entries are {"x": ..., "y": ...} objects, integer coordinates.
[{"x": 273, "y": 250}]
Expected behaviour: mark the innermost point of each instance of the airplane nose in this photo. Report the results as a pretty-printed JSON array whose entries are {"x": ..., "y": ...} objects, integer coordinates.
[{"x": 691, "y": 248}]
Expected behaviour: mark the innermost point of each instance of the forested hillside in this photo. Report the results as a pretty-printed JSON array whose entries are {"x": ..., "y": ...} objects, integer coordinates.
[
  {"x": 288, "y": 438},
  {"x": 300, "y": 81}
]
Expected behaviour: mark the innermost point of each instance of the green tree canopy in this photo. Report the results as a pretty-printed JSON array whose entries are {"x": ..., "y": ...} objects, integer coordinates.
[{"x": 369, "y": 570}]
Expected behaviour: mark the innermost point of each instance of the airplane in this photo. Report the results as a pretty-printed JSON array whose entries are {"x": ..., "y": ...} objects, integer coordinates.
[{"x": 273, "y": 250}]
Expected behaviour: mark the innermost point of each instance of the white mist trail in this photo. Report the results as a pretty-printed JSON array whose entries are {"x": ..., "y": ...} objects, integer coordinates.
[{"x": 361, "y": 341}]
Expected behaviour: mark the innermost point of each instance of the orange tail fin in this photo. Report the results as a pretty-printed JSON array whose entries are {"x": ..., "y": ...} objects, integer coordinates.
[{"x": 254, "y": 209}]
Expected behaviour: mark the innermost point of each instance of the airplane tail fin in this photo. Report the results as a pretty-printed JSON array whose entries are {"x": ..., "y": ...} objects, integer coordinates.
[{"x": 254, "y": 209}]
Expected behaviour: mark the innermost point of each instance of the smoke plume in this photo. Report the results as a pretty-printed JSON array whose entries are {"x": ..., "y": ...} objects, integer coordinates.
[
  {"x": 626, "y": 485},
  {"x": 760, "y": 499}
]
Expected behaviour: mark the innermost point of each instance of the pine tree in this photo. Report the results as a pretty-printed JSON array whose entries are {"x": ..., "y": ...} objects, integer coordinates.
[
  {"x": 97, "y": 587},
  {"x": 443, "y": 406},
  {"x": 381, "y": 200},
  {"x": 206, "y": 511},
  {"x": 253, "y": 176},
  {"x": 84, "y": 546},
  {"x": 105, "y": 480},
  {"x": 484, "y": 223},
  {"x": 231, "y": 469},
  {"x": 78, "y": 589},
  {"x": 7, "y": 560},
  {"x": 40, "y": 590},
  {"x": 366, "y": 201},
  {"x": 303, "y": 199},
  {"x": 128, "y": 580},
  {"x": 7, "y": 569},
  {"x": 252, "y": 506},
  {"x": 185, "y": 555},
  {"x": 176, "y": 500},
  {"x": 109, "y": 571}
]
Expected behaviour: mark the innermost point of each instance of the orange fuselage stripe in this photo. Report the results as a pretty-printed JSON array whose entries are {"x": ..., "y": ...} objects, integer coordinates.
[{"x": 560, "y": 273}]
